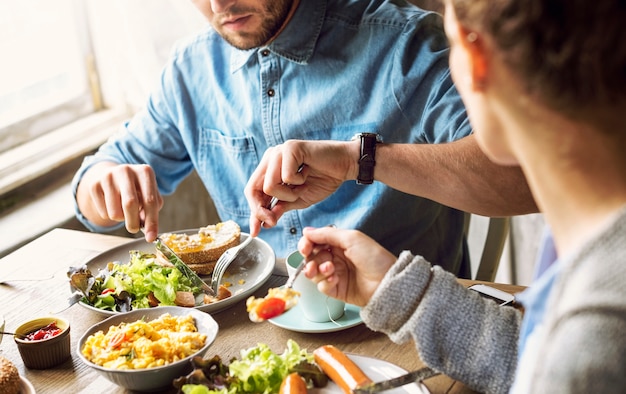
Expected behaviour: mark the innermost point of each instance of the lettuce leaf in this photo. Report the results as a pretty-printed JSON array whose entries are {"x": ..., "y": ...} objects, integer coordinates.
[
  {"x": 140, "y": 277},
  {"x": 259, "y": 370}
]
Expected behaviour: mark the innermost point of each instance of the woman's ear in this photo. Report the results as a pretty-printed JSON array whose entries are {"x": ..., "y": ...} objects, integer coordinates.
[{"x": 473, "y": 44}]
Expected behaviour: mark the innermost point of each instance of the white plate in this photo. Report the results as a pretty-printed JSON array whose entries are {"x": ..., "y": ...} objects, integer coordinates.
[
  {"x": 294, "y": 320},
  {"x": 26, "y": 386},
  {"x": 376, "y": 370},
  {"x": 252, "y": 268}
]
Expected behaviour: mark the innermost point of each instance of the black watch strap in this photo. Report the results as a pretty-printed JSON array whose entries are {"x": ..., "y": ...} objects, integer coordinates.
[{"x": 367, "y": 158}]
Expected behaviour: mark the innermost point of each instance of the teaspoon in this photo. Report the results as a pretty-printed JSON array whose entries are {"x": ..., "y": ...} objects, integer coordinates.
[{"x": 12, "y": 333}]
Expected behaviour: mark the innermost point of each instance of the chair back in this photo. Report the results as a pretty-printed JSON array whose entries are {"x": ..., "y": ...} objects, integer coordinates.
[{"x": 486, "y": 238}]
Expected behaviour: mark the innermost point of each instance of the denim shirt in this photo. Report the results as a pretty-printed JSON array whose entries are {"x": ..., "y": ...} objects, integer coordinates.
[{"x": 338, "y": 68}]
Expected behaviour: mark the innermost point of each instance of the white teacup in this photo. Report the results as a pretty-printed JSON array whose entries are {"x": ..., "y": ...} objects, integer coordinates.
[{"x": 316, "y": 306}]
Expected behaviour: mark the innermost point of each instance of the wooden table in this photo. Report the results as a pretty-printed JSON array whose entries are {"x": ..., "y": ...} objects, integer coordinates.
[{"x": 33, "y": 282}]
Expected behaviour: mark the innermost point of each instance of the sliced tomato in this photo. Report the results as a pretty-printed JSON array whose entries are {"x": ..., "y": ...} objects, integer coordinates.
[
  {"x": 270, "y": 308},
  {"x": 117, "y": 339}
]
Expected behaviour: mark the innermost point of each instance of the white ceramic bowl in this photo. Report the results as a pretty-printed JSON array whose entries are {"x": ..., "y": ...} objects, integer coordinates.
[{"x": 151, "y": 379}]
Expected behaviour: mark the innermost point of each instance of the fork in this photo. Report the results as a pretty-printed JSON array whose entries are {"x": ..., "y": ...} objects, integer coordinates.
[
  {"x": 224, "y": 261},
  {"x": 71, "y": 300}
]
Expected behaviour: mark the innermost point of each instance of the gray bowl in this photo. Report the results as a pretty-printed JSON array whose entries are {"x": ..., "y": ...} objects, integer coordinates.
[{"x": 151, "y": 379}]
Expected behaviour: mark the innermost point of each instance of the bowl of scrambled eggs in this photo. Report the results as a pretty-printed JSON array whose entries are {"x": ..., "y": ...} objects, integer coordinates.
[{"x": 146, "y": 349}]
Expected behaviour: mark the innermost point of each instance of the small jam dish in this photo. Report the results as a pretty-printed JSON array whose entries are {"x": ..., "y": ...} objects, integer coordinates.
[{"x": 43, "y": 342}]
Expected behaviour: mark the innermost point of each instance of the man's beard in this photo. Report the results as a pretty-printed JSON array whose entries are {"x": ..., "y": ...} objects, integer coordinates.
[{"x": 276, "y": 12}]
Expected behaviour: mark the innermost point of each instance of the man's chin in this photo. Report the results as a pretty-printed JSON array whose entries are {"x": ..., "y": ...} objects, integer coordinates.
[{"x": 243, "y": 42}]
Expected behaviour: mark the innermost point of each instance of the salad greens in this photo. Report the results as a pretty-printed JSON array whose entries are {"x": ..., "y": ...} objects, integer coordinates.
[
  {"x": 139, "y": 284},
  {"x": 259, "y": 370}
]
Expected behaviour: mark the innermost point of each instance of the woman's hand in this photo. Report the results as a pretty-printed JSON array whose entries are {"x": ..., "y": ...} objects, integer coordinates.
[{"x": 345, "y": 264}]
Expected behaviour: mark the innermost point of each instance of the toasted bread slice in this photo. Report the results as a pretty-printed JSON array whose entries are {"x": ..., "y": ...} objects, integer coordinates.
[
  {"x": 201, "y": 250},
  {"x": 203, "y": 268}
]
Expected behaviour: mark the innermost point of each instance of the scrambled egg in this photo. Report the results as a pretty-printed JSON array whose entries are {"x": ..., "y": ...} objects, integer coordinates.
[{"x": 142, "y": 344}]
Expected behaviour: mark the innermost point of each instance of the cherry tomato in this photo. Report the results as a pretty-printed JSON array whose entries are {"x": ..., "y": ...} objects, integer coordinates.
[
  {"x": 270, "y": 308},
  {"x": 107, "y": 291},
  {"x": 117, "y": 339}
]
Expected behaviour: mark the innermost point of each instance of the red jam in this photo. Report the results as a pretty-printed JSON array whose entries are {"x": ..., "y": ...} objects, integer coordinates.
[{"x": 46, "y": 332}]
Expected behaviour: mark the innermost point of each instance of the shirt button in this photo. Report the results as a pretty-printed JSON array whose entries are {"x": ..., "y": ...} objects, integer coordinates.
[
  {"x": 265, "y": 52},
  {"x": 270, "y": 93},
  {"x": 293, "y": 230}
]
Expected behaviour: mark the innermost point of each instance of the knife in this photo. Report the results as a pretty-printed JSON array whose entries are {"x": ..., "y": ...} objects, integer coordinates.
[
  {"x": 411, "y": 377},
  {"x": 182, "y": 267}
]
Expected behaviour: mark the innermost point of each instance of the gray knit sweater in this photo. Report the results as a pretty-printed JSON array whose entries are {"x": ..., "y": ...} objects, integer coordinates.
[{"x": 475, "y": 341}]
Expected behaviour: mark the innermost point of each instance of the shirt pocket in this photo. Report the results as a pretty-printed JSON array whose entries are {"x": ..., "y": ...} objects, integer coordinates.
[{"x": 225, "y": 163}]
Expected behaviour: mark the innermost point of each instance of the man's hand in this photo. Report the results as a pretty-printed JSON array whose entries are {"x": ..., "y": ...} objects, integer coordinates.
[
  {"x": 110, "y": 193},
  {"x": 323, "y": 165}
]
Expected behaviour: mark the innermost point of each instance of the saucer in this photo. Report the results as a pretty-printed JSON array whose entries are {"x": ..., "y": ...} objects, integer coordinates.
[{"x": 294, "y": 320}]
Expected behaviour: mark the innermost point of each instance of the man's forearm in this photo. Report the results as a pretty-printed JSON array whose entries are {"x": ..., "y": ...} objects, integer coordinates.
[{"x": 455, "y": 174}]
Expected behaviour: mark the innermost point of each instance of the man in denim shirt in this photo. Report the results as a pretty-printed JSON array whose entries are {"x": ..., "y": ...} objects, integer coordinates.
[{"x": 267, "y": 71}]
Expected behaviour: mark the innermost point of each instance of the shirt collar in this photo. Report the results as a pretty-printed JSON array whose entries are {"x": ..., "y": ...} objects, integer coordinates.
[{"x": 297, "y": 41}]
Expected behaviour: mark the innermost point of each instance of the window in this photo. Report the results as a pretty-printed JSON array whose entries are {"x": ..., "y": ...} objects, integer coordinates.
[
  {"x": 71, "y": 72},
  {"x": 45, "y": 70}
]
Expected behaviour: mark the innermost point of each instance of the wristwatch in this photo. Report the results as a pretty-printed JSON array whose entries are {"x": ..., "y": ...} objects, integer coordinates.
[{"x": 367, "y": 158}]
